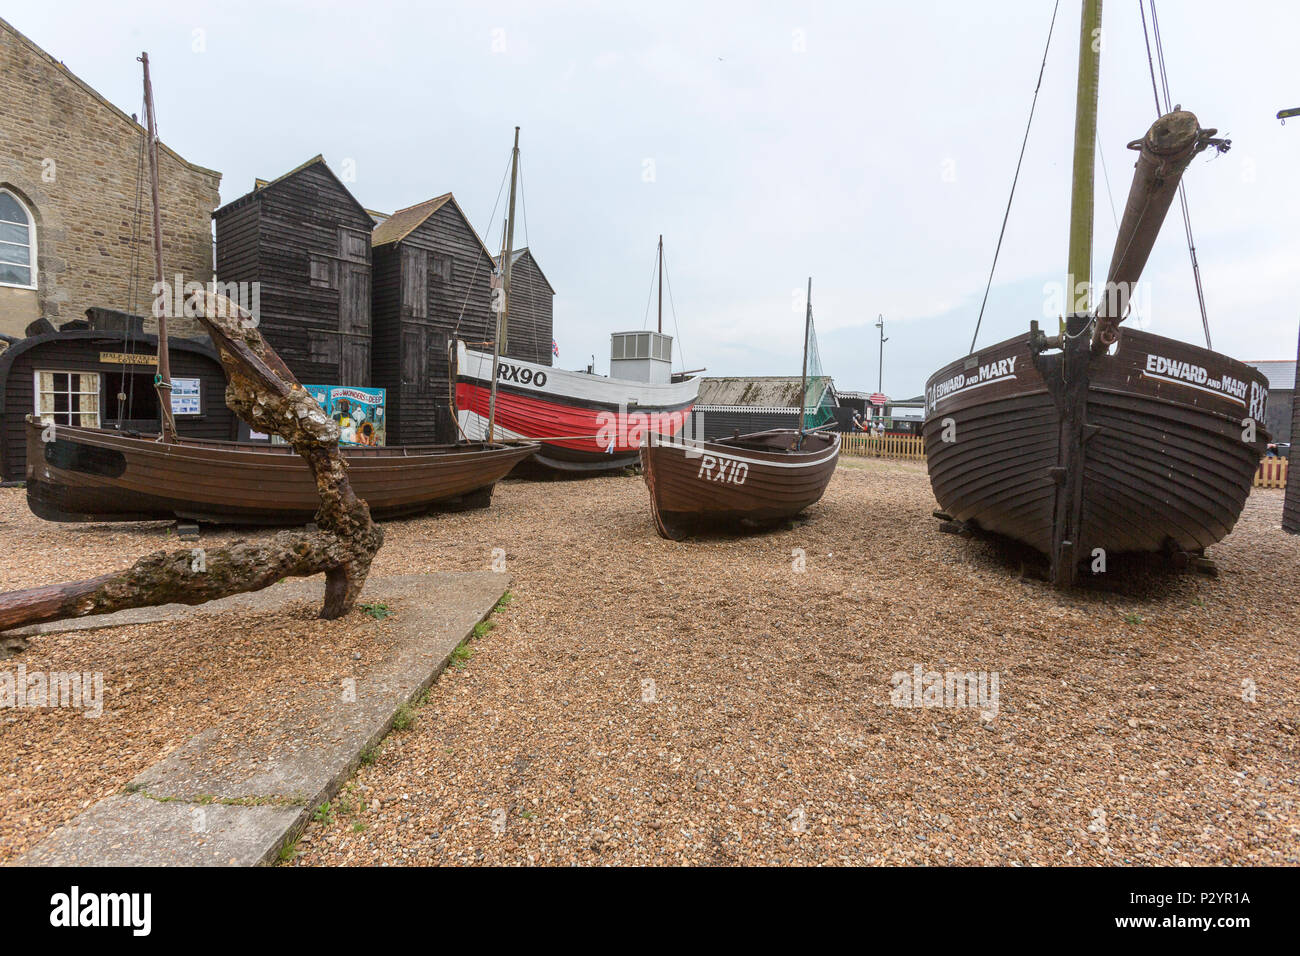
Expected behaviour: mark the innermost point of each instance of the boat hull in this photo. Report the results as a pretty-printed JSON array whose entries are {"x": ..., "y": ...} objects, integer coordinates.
[
  {"x": 95, "y": 475},
  {"x": 753, "y": 477},
  {"x": 583, "y": 422},
  {"x": 1167, "y": 458}
]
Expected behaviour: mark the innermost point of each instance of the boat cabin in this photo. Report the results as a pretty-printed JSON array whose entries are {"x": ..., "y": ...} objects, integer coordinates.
[{"x": 641, "y": 357}]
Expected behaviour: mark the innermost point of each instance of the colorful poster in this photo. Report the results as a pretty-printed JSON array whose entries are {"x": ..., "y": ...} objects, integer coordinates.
[{"x": 358, "y": 411}]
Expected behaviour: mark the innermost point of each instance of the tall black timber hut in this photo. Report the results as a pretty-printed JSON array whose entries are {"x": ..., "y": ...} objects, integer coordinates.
[
  {"x": 306, "y": 240},
  {"x": 429, "y": 265},
  {"x": 531, "y": 327},
  {"x": 75, "y": 378}
]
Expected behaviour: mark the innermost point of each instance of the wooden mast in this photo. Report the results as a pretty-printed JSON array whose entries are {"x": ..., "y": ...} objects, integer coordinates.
[
  {"x": 163, "y": 380},
  {"x": 503, "y": 317},
  {"x": 661, "y": 283},
  {"x": 1066, "y": 373},
  {"x": 803, "y": 378},
  {"x": 1079, "y": 268}
]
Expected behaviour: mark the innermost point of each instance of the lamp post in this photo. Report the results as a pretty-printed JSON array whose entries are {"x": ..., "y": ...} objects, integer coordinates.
[{"x": 880, "y": 383}]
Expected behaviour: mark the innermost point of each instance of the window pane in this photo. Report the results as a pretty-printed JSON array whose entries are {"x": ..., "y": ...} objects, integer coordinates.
[
  {"x": 15, "y": 275},
  {"x": 616, "y": 351},
  {"x": 13, "y": 254},
  {"x": 9, "y": 232},
  {"x": 10, "y": 210},
  {"x": 643, "y": 345}
]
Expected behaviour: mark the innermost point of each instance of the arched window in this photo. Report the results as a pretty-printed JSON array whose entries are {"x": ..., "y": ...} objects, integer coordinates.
[{"x": 17, "y": 243}]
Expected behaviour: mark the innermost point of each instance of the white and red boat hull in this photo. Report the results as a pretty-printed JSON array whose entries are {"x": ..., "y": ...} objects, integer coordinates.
[{"x": 584, "y": 422}]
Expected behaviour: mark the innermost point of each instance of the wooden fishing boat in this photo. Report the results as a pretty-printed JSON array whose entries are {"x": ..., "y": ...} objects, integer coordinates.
[
  {"x": 91, "y": 474},
  {"x": 760, "y": 477},
  {"x": 1100, "y": 441},
  {"x": 583, "y": 421}
]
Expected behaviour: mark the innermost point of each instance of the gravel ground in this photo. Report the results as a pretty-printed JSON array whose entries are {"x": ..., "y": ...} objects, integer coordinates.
[
  {"x": 161, "y": 684},
  {"x": 1152, "y": 723}
]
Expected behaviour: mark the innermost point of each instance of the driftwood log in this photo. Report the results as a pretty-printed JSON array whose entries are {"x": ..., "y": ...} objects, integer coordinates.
[{"x": 262, "y": 391}]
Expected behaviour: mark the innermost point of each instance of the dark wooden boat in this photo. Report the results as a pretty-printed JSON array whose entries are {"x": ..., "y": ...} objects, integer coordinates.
[
  {"x": 760, "y": 477},
  {"x": 1101, "y": 441},
  {"x": 90, "y": 474}
]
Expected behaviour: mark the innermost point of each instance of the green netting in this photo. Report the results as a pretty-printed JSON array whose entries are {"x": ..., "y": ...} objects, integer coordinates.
[{"x": 817, "y": 402}]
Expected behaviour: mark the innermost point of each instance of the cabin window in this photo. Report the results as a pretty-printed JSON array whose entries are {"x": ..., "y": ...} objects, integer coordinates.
[
  {"x": 616, "y": 349},
  {"x": 643, "y": 345},
  {"x": 17, "y": 243},
  {"x": 68, "y": 398}
]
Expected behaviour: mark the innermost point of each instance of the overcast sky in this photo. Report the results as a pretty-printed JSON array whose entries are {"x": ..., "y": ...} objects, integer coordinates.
[{"x": 869, "y": 145}]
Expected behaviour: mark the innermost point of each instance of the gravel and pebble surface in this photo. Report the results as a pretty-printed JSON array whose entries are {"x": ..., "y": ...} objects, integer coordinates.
[{"x": 644, "y": 701}]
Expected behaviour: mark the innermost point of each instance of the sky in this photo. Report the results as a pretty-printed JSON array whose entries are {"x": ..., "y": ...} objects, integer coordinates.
[{"x": 868, "y": 145}]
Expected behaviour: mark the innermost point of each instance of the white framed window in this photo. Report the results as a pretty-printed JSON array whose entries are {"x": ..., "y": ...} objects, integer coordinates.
[
  {"x": 17, "y": 243},
  {"x": 68, "y": 398}
]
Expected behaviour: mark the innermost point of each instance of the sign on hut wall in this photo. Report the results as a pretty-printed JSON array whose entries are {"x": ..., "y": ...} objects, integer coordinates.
[
  {"x": 187, "y": 396},
  {"x": 128, "y": 358},
  {"x": 359, "y": 412}
]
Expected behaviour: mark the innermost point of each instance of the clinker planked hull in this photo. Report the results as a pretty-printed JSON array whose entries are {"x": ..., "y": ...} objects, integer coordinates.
[
  {"x": 1167, "y": 462},
  {"x": 97, "y": 475},
  {"x": 755, "y": 477}
]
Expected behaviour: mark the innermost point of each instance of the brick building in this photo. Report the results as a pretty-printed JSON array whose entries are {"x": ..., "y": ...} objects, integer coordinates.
[{"x": 70, "y": 180}]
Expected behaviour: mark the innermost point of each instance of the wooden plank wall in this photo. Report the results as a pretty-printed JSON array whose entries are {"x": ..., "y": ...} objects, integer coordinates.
[
  {"x": 307, "y": 242},
  {"x": 421, "y": 288},
  {"x": 531, "y": 328}
]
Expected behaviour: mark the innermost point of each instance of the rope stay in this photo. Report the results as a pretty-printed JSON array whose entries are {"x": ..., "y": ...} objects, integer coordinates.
[
  {"x": 1160, "y": 111},
  {"x": 1015, "y": 179},
  {"x": 673, "y": 307}
]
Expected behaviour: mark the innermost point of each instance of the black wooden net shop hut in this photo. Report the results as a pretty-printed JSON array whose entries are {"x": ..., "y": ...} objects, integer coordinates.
[
  {"x": 305, "y": 240},
  {"x": 429, "y": 265}
]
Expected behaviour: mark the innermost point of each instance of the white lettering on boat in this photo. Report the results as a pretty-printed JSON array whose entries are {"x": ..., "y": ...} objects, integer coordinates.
[
  {"x": 722, "y": 468},
  {"x": 1180, "y": 372},
  {"x": 987, "y": 374}
]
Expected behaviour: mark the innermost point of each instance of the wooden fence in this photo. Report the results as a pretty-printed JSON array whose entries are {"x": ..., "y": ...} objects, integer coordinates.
[
  {"x": 1271, "y": 473},
  {"x": 910, "y": 447}
]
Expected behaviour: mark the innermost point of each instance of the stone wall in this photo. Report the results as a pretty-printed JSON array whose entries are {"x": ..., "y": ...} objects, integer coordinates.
[{"x": 74, "y": 160}]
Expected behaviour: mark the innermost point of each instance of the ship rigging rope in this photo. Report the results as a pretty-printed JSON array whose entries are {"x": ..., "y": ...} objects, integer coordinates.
[
  {"x": 538, "y": 356},
  {"x": 451, "y": 341},
  {"x": 479, "y": 258},
  {"x": 1182, "y": 191},
  {"x": 673, "y": 305},
  {"x": 1007, "y": 215},
  {"x": 650, "y": 292}
]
